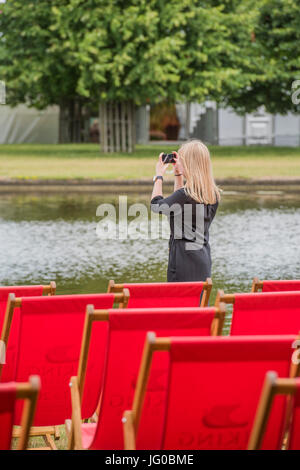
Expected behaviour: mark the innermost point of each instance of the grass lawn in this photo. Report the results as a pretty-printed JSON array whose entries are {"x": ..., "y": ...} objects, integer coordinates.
[{"x": 86, "y": 161}]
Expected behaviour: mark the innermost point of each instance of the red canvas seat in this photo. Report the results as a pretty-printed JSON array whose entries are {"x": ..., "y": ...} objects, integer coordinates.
[
  {"x": 46, "y": 334},
  {"x": 270, "y": 313},
  {"x": 213, "y": 389},
  {"x": 275, "y": 286},
  {"x": 166, "y": 294},
  {"x": 273, "y": 388},
  {"x": 22, "y": 291},
  {"x": 127, "y": 331},
  {"x": 10, "y": 393}
]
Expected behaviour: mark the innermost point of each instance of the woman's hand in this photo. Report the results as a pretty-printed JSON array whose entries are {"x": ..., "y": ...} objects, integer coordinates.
[
  {"x": 160, "y": 166},
  {"x": 177, "y": 165},
  {"x": 178, "y": 172}
]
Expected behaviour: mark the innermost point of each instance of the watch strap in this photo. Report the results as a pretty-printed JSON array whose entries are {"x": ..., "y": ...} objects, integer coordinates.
[{"x": 157, "y": 178}]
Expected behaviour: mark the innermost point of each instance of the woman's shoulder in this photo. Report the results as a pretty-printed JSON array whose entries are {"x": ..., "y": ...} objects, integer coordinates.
[
  {"x": 180, "y": 194},
  {"x": 188, "y": 198},
  {"x": 215, "y": 204},
  {"x": 212, "y": 208}
]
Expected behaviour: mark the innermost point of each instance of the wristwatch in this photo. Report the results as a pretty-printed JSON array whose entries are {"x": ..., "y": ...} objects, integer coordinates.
[{"x": 157, "y": 178}]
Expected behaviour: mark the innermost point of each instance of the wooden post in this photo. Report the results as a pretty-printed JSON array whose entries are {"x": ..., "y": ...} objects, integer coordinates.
[
  {"x": 133, "y": 124},
  {"x": 129, "y": 126},
  {"x": 64, "y": 134},
  {"x": 117, "y": 126},
  {"x": 123, "y": 125},
  {"x": 108, "y": 127}
]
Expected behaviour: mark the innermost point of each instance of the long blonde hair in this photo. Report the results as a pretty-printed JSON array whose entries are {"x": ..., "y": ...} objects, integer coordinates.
[{"x": 200, "y": 184}]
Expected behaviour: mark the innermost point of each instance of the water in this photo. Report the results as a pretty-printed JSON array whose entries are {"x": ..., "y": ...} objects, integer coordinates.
[{"x": 53, "y": 237}]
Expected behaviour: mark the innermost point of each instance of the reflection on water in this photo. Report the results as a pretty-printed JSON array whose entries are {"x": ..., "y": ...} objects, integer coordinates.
[{"x": 54, "y": 237}]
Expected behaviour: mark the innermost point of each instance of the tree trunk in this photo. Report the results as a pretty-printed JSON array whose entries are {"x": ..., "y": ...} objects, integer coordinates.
[
  {"x": 76, "y": 127},
  {"x": 64, "y": 134},
  {"x": 117, "y": 126},
  {"x": 70, "y": 121},
  {"x": 85, "y": 112}
]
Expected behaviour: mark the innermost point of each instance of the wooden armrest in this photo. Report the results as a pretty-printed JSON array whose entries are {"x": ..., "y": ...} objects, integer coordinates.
[
  {"x": 75, "y": 434},
  {"x": 128, "y": 431}
]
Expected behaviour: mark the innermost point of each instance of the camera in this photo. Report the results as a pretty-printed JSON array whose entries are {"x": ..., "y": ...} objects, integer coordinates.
[{"x": 168, "y": 158}]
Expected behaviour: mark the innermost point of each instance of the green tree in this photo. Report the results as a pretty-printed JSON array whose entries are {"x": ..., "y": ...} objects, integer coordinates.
[
  {"x": 148, "y": 50},
  {"x": 33, "y": 62},
  {"x": 138, "y": 51},
  {"x": 275, "y": 59},
  {"x": 151, "y": 50}
]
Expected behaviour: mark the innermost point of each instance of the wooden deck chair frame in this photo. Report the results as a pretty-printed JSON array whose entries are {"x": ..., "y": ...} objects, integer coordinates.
[
  {"x": 257, "y": 285},
  {"x": 45, "y": 431},
  {"x": 73, "y": 426},
  {"x": 28, "y": 392},
  {"x": 49, "y": 289},
  {"x": 224, "y": 298},
  {"x": 207, "y": 287},
  {"x": 230, "y": 299},
  {"x": 272, "y": 386},
  {"x": 131, "y": 418}
]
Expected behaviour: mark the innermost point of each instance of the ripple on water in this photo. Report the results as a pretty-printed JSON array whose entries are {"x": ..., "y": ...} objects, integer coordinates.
[{"x": 246, "y": 243}]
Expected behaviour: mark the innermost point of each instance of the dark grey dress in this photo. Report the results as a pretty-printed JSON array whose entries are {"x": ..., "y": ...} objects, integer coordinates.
[{"x": 189, "y": 250}]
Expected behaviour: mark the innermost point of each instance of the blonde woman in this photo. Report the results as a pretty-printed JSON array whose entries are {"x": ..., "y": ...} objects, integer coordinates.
[{"x": 190, "y": 209}]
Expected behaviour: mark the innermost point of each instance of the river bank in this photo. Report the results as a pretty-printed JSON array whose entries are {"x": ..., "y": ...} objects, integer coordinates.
[
  {"x": 77, "y": 162},
  {"x": 263, "y": 185}
]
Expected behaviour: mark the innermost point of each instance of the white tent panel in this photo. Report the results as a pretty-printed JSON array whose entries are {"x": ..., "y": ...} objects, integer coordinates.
[
  {"x": 287, "y": 130},
  {"x": 231, "y": 127},
  {"x": 28, "y": 125}
]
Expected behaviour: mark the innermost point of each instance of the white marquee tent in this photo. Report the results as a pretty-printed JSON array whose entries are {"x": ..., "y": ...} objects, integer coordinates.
[{"x": 27, "y": 125}]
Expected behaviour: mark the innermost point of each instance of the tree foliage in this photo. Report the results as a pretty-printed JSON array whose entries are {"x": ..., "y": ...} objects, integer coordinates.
[
  {"x": 148, "y": 50},
  {"x": 140, "y": 50},
  {"x": 275, "y": 58},
  {"x": 32, "y": 59},
  {"x": 240, "y": 53}
]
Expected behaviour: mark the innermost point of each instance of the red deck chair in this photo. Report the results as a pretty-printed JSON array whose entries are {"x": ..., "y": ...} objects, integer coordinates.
[
  {"x": 127, "y": 332},
  {"x": 274, "y": 387},
  {"x": 214, "y": 386},
  {"x": 166, "y": 294},
  {"x": 22, "y": 291},
  {"x": 275, "y": 286},
  {"x": 270, "y": 313},
  {"x": 10, "y": 393},
  {"x": 43, "y": 336}
]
